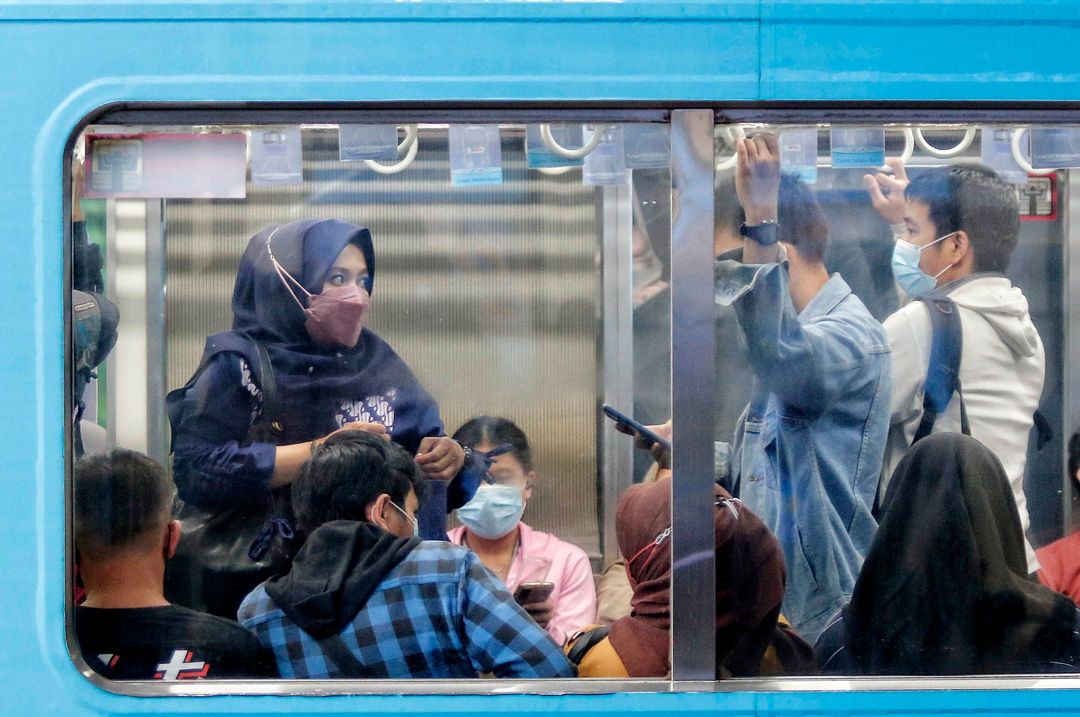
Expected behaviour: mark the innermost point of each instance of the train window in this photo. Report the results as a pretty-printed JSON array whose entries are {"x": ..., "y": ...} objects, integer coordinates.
[
  {"x": 425, "y": 299},
  {"x": 298, "y": 346}
]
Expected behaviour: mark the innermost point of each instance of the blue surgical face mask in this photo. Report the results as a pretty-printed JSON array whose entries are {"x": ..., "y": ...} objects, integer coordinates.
[
  {"x": 905, "y": 266},
  {"x": 494, "y": 511}
]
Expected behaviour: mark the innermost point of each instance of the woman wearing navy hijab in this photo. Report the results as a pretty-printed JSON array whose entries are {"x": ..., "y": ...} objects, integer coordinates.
[{"x": 303, "y": 292}]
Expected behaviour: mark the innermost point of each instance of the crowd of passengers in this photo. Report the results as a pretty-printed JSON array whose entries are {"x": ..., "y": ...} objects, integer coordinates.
[{"x": 869, "y": 509}]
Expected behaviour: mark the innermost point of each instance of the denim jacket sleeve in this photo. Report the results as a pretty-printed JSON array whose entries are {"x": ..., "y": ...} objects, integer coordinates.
[{"x": 806, "y": 365}]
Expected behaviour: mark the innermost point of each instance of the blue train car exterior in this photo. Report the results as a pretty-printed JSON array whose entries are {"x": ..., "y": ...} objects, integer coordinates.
[{"x": 65, "y": 60}]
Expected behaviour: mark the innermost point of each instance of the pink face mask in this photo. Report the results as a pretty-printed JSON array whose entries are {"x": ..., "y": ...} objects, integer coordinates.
[{"x": 336, "y": 316}]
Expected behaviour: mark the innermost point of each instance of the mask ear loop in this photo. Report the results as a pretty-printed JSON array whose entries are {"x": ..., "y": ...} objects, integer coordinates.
[{"x": 284, "y": 275}]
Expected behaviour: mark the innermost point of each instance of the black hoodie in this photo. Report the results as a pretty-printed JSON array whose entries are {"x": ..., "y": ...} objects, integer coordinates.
[{"x": 334, "y": 574}]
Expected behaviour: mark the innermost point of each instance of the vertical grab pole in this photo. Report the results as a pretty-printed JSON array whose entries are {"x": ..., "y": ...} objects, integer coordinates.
[{"x": 693, "y": 353}]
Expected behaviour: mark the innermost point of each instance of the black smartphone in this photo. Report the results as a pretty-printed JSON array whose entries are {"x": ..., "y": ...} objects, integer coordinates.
[
  {"x": 622, "y": 418},
  {"x": 533, "y": 592}
]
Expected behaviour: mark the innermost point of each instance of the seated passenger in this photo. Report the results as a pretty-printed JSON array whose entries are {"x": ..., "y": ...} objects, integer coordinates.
[
  {"x": 367, "y": 598},
  {"x": 806, "y": 457},
  {"x": 1060, "y": 560},
  {"x": 126, "y": 629},
  {"x": 749, "y": 589},
  {"x": 944, "y": 589},
  {"x": 512, "y": 550}
]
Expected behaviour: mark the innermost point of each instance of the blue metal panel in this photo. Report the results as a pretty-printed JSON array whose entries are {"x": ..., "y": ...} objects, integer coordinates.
[{"x": 61, "y": 60}]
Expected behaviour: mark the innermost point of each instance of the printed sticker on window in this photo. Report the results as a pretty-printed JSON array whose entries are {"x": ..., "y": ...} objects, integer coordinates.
[
  {"x": 367, "y": 141},
  {"x": 539, "y": 155},
  {"x": 858, "y": 147},
  {"x": 798, "y": 153},
  {"x": 276, "y": 157},
  {"x": 646, "y": 145},
  {"x": 607, "y": 163},
  {"x": 997, "y": 154},
  {"x": 475, "y": 155},
  {"x": 1054, "y": 148}
]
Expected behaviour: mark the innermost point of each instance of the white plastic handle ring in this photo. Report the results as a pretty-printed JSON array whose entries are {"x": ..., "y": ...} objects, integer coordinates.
[
  {"x": 553, "y": 146},
  {"x": 1019, "y": 156},
  {"x": 909, "y": 145},
  {"x": 554, "y": 171},
  {"x": 730, "y": 134},
  {"x": 925, "y": 146},
  {"x": 409, "y": 145}
]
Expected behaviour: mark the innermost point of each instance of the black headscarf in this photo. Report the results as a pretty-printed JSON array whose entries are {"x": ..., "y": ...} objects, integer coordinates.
[
  {"x": 313, "y": 380},
  {"x": 944, "y": 590}
]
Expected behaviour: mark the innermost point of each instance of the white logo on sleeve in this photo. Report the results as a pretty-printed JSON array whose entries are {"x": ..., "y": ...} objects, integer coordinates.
[{"x": 180, "y": 667}]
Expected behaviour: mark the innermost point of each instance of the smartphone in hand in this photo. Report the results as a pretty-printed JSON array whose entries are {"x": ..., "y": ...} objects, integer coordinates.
[
  {"x": 529, "y": 593},
  {"x": 630, "y": 423}
]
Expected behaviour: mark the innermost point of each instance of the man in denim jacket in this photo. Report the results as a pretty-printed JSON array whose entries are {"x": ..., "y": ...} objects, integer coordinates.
[{"x": 808, "y": 449}]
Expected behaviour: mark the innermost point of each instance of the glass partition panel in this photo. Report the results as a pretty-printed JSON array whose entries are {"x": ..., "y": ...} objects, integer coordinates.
[
  {"x": 303, "y": 317},
  {"x": 881, "y": 290}
]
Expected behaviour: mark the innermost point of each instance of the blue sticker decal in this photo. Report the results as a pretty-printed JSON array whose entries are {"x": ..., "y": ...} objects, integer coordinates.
[
  {"x": 646, "y": 145},
  {"x": 607, "y": 163},
  {"x": 538, "y": 155},
  {"x": 997, "y": 154},
  {"x": 475, "y": 155},
  {"x": 1054, "y": 148},
  {"x": 858, "y": 147},
  {"x": 798, "y": 153},
  {"x": 367, "y": 141},
  {"x": 276, "y": 157}
]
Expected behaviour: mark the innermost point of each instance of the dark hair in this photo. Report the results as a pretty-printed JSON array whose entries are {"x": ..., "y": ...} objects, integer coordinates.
[
  {"x": 802, "y": 224},
  {"x": 727, "y": 212},
  {"x": 975, "y": 199},
  {"x": 1074, "y": 454},
  {"x": 496, "y": 430},
  {"x": 120, "y": 496},
  {"x": 347, "y": 473}
]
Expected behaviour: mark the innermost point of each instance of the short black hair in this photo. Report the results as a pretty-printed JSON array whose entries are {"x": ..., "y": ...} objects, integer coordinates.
[
  {"x": 1074, "y": 454},
  {"x": 347, "y": 473},
  {"x": 802, "y": 223},
  {"x": 497, "y": 431},
  {"x": 976, "y": 199},
  {"x": 120, "y": 496}
]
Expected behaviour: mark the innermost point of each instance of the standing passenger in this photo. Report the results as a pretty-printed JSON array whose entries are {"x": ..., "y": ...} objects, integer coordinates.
[
  {"x": 1060, "y": 560},
  {"x": 807, "y": 452},
  {"x": 956, "y": 229}
]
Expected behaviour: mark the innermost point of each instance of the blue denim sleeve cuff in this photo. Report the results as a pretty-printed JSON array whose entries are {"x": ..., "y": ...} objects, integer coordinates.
[{"x": 734, "y": 279}]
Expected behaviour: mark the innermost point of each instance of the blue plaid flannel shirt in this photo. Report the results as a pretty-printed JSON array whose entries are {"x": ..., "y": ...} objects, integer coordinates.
[{"x": 439, "y": 613}]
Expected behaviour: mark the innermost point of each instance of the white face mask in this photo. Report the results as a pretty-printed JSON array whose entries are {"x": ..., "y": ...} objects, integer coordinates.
[
  {"x": 494, "y": 511},
  {"x": 905, "y": 266}
]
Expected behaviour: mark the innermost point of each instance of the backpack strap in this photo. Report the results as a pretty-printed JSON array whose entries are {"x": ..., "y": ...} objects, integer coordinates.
[
  {"x": 943, "y": 373},
  {"x": 267, "y": 382},
  {"x": 585, "y": 642},
  {"x": 337, "y": 652}
]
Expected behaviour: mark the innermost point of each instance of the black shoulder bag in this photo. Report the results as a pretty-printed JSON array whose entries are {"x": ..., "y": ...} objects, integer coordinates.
[
  {"x": 226, "y": 551},
  {"x": 943, "y": 374}
]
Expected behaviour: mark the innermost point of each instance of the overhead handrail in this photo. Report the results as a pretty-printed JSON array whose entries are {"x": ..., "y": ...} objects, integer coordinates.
[
  {"x": 964, "y": 143},
  {"x": 409, "y": 146},
  {"x": 1018, "y": 155},
  {"x": 553, "y": 146}
]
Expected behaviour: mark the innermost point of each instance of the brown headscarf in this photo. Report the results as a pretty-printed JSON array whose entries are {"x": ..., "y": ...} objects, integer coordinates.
[{"x": 749, "y": 583}]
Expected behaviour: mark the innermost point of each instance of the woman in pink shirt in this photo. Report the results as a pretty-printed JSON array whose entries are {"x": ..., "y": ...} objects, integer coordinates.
[{"x": 517, "y": 554}]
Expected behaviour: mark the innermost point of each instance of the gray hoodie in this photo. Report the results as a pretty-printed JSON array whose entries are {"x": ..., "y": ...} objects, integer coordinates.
[{"x": 1001, "y": 373}]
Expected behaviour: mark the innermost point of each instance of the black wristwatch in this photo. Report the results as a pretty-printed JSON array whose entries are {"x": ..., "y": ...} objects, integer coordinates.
[{"x": 767, "y": 233}]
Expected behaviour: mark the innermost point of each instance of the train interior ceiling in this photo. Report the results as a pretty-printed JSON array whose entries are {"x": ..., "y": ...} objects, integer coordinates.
[{"x": 508, "y": 264}]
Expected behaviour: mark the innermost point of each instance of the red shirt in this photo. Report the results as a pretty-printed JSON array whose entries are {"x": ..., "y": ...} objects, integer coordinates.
[{"x": 1061, "y": 566}]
